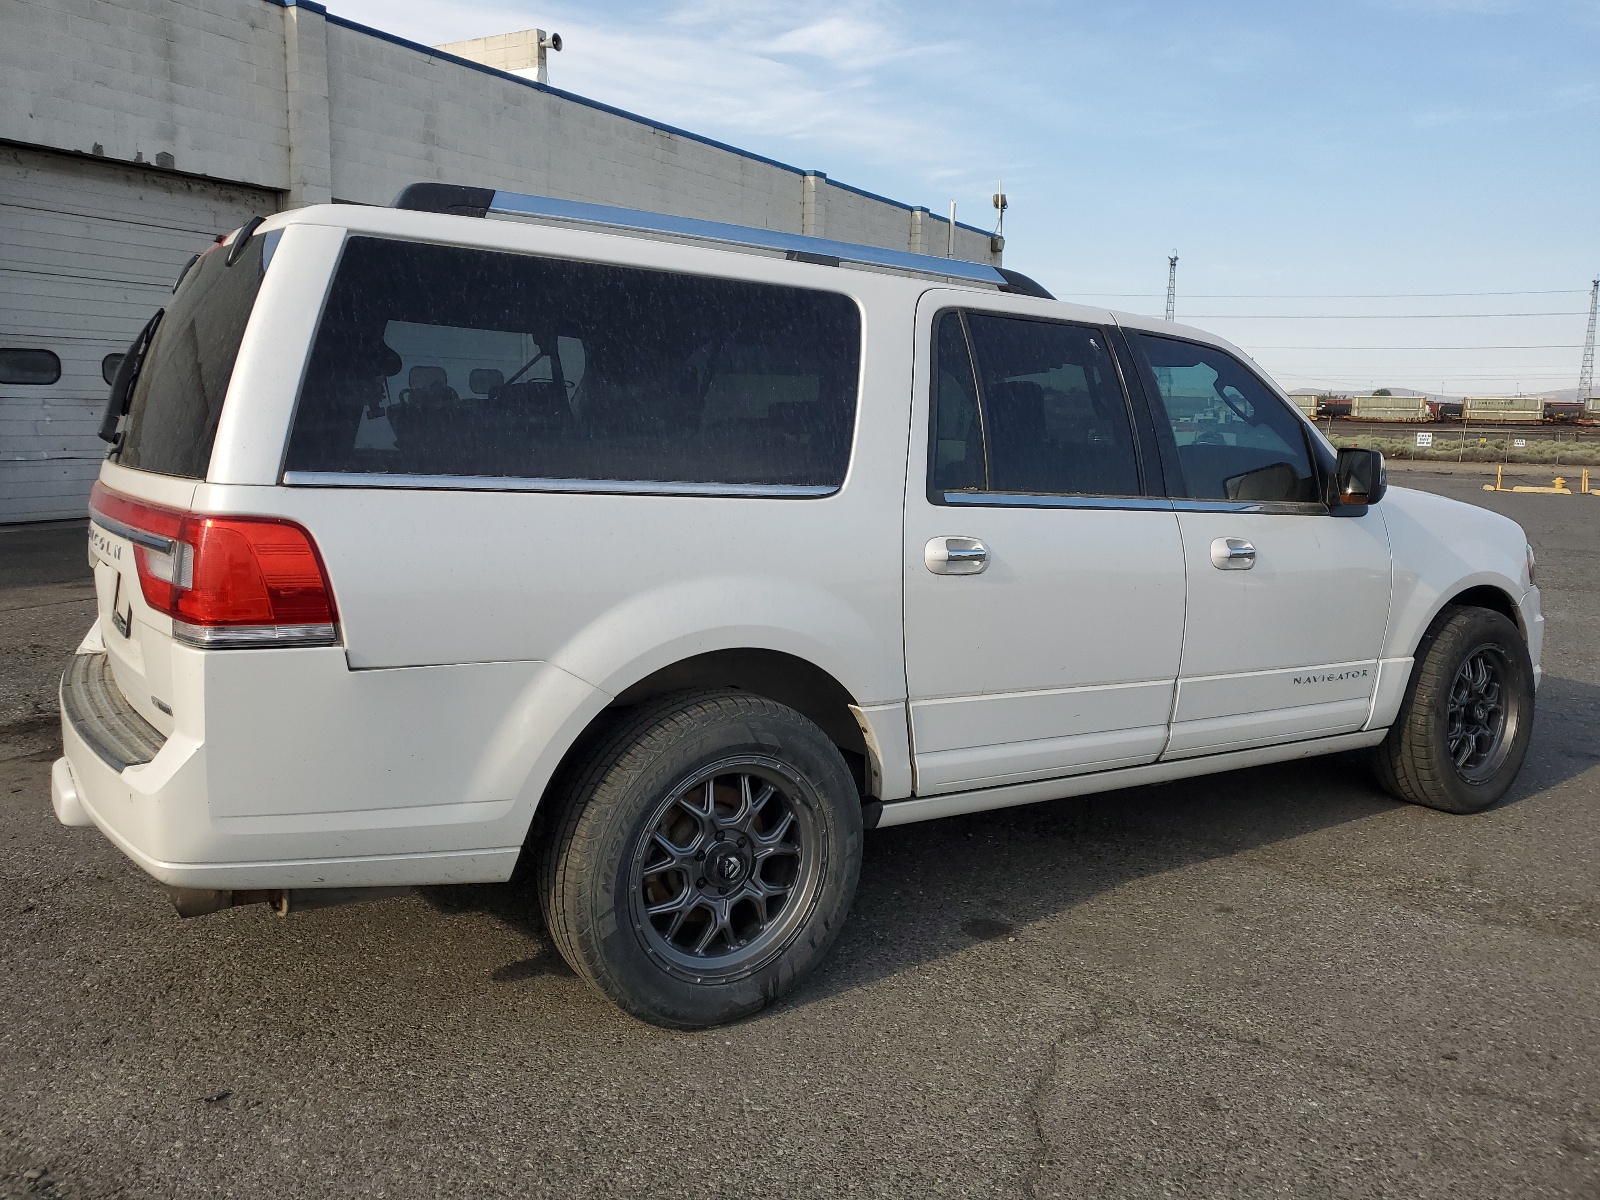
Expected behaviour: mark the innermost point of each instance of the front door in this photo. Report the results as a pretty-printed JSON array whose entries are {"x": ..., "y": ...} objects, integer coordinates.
[
  {"x": 1287, "y": 603},
  {"x": 1044, "y": 587}
]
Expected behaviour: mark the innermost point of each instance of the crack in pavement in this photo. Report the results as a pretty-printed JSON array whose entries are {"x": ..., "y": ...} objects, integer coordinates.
[
  {"x": 1033, "y": 1103},
  {"x": 1289, "y": 1053}
]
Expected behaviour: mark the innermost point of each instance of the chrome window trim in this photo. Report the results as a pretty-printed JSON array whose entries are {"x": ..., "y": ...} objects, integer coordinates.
[
  {"x": 1157, "y": 503},
  {"x": 603, "y": 487},
  {"x": 1028, "y": 500},
  {"x": 1284, "y": 508}
]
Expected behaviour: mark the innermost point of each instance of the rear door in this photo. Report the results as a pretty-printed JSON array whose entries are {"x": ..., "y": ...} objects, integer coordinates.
[
  {"x": 163, "y": 452},
  {"x": 1287, "y": 604},
  {"x": 1044, "y": 586}
]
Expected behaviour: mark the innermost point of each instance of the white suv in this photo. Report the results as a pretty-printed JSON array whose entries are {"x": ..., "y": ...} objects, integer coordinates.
[{"x": 666, "y": 557}]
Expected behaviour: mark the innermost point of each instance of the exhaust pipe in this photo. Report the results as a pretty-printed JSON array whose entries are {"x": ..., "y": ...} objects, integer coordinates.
[{"x": 198, "y": 902}]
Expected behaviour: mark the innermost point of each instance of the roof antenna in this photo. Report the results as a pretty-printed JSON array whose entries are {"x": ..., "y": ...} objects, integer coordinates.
[
  {"x": 997, "y": 239},
  {"x": 1172, "y": 285},
  {"x": 950, "y": 241}
]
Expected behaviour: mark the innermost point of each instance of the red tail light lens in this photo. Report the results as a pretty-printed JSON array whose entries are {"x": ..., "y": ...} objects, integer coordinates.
[{"x": 225, "y": 581}]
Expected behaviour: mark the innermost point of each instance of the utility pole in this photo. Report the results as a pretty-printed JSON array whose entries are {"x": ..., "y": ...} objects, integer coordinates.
[
  {"x": 1586, "y": 372},
  {"x": 1172, "y": 286}
]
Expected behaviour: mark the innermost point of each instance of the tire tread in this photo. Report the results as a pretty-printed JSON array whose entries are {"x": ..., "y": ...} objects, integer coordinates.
[
  {"x": 570, "y": 853},
  {"x": 1408, "y": 762}
]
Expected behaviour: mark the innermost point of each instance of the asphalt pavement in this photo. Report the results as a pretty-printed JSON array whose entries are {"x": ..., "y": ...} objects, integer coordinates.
[{"x": 1271, "y": 983}]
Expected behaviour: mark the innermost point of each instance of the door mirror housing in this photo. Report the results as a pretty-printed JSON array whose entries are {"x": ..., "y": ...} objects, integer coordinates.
[{"x": 1360, "y": 479}]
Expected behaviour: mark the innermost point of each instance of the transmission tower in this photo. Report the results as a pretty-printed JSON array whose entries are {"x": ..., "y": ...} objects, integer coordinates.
[
  {"x": 1172, "y": 288},
  {"x": 1586, "y": 372}
]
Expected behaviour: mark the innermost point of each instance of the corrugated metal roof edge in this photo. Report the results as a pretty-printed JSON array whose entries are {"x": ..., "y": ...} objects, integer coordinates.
[{"x": 431, "y": 52}]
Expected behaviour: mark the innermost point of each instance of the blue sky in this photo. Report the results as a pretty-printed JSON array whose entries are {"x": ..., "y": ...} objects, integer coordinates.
[{"x": 1317, "y": 166}]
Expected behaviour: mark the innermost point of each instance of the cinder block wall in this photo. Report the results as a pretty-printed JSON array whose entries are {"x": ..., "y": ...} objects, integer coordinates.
[
  {"x": 238, "y": 90},
  {"x": 192, "y": 85},
  {"x": 399, "y": 116}
]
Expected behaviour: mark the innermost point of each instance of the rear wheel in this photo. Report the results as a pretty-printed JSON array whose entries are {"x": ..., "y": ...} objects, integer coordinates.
[
  {"x": 702, "y": 857},
  {"x": 1464, "y": 727}
]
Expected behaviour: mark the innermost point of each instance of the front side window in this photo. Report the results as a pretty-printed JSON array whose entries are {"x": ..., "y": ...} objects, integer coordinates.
[
  {"x": 1235, "y": 439},
  {"x": 1030, "y": 407},
  {"x": 442, "y": 361}
]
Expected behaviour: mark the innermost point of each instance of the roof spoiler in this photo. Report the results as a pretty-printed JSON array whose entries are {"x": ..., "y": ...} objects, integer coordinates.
[{"x": 461, "y": 201}]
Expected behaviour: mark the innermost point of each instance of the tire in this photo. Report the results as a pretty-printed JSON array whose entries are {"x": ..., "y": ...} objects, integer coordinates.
[
  {"x": 701, "y": 857},
  {"x": 1465, "y": 723}
]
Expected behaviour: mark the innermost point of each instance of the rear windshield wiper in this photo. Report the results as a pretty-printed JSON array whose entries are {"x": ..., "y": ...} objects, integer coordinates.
[{"x": 127, "y": 374}]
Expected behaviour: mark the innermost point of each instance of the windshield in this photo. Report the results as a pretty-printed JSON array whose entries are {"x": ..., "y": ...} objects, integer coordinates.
[{"x": 177, "y": 399}]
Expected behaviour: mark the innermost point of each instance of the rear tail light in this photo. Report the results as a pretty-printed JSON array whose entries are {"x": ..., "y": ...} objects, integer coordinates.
[{"x": 226, "y": 582}]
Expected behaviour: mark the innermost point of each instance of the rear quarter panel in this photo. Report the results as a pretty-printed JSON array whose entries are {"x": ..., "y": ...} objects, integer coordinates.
[{"x": 606, "y": 588}]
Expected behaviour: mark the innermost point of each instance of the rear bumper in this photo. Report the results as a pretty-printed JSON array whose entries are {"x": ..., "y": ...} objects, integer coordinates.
[
  {"x": 64, "y": 799},
  {"x": 102, "y": 717},
  {"x": 299, "y": 773}
]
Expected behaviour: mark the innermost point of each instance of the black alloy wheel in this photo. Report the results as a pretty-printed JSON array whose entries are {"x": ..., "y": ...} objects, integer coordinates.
[
  {"x": 1467, "y": 717},
  {"x": 732, "y": 860},
  {"x": 1479, "y": 727},
  {"x": 701, "y": 857}
]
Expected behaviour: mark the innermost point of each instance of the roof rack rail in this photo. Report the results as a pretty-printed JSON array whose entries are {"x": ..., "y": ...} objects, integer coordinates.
[{"x": 463, "y": 201}]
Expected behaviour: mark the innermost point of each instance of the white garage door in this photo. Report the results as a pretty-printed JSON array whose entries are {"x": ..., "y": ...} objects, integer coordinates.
[{"x": 88, "y": 250}]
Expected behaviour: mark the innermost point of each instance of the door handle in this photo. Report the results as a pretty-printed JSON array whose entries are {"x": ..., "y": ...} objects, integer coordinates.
[
  {"x": 956, "y": 556},
  {"x": 1232, "y": 554}
]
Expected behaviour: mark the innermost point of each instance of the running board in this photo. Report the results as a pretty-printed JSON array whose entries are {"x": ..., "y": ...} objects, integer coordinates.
[{"x": 904, "y": 812}]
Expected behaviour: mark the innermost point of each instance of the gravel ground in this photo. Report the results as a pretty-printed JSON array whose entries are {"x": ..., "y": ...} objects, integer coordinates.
[{"x": 1269, "y": 983}]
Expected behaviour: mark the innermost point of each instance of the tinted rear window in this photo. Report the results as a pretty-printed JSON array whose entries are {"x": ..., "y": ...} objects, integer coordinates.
[
  {"x": 434, "y": 360},
  {"x": 172, "y": 417}
]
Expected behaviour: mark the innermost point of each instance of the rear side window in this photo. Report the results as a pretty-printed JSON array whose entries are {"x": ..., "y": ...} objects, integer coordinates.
[
  {"x": 1029, "y": 407},
  {"x": 1235, "y": 439},
  {"x": 177, "y": 400},
  {"x": 442, "y": 361}
]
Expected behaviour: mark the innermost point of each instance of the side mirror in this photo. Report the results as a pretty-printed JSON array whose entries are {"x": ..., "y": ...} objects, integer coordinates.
[{"x": 1359, "y": 479}]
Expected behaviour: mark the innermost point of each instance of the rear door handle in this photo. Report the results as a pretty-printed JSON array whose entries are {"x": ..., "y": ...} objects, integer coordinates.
[
  {"x": 956, "y": 556},
  {"x": 1232, "y": 554}
]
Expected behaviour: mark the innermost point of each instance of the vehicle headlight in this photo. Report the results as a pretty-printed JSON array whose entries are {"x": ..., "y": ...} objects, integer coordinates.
[{"x": 1531, "y": 566}]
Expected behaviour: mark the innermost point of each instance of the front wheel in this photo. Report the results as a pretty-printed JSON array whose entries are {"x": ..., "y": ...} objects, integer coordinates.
[
  {"x": 702, "y": 858},
  {"x": 1464, "y": 727}
]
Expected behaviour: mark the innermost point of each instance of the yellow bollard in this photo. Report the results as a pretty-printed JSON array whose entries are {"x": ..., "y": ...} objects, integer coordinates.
[{"x": 1499, "y": 480}]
